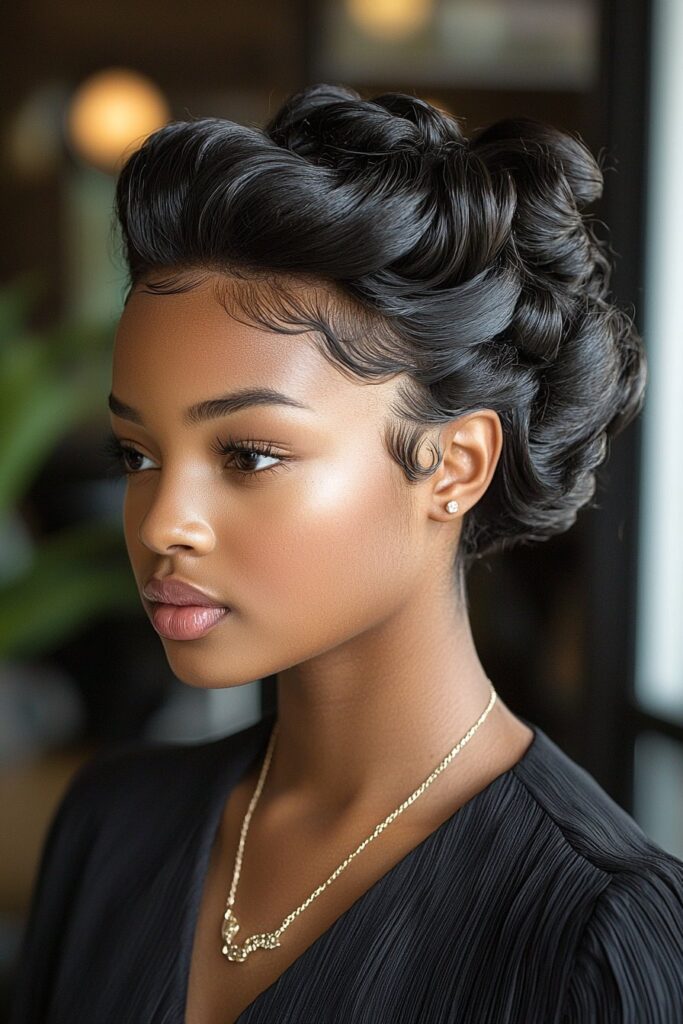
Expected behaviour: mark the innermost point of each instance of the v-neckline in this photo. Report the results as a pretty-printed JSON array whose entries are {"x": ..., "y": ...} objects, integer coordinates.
[{"x": 226, "y": 780}]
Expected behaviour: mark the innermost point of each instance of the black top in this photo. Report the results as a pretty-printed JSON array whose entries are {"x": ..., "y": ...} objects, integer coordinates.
[{"x": 540, "y": 901}]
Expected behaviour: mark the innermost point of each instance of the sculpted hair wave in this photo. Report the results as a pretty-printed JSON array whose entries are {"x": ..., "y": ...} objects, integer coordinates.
[{"x": 465, "y": 265}]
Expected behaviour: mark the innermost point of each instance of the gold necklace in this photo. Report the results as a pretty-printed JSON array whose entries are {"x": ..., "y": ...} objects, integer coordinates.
[{"x": 268, "y": 940}]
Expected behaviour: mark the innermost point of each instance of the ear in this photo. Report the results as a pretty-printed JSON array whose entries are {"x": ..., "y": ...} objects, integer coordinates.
[{"x": 471, "y": 448}]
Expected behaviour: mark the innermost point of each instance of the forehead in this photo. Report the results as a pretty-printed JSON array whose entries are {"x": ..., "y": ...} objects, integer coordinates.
[{"x": 184, "y": 347}]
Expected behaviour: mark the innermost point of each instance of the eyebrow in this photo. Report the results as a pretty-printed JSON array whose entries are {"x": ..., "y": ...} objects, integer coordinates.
[{"x": 213, "y": 408}]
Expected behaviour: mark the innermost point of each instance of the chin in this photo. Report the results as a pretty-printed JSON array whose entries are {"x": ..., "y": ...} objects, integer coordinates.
[{"x": 191, "y": 663}]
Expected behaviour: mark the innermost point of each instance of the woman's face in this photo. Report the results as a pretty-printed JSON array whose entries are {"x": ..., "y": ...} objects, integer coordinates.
[{"x": 308, "y": 546}]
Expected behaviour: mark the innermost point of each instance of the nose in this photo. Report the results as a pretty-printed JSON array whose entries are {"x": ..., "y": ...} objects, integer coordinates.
[{"x": 173, "y": 520}]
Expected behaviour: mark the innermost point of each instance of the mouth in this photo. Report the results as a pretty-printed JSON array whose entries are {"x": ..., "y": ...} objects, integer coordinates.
[{"x": 185, "y": 622}]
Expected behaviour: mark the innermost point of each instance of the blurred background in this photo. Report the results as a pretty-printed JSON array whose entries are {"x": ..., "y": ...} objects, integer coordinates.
[{"x": 582, "y": 635}]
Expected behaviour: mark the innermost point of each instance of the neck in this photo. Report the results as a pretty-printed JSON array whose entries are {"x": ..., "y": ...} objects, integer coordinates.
[{"x": 363, "y": 725}]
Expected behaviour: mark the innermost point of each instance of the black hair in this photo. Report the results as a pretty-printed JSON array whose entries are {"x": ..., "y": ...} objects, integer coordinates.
[{"x": 465, "y": 265}]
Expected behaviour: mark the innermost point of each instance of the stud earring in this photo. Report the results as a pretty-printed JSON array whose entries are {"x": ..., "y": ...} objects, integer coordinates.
[{"x": 452, "y": 506}]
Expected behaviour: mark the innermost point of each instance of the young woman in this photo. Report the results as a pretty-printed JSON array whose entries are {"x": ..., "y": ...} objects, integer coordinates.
[{"x": 358, "y": 352}]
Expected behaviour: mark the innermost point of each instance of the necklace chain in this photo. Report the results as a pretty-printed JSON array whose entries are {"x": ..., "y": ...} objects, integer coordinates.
[{"x": 268, "y": 940}]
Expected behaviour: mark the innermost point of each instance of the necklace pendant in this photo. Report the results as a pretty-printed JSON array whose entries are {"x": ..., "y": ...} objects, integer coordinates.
[
  {"x": 233, "y": 951},
  {"x": 230, "y": 926}
]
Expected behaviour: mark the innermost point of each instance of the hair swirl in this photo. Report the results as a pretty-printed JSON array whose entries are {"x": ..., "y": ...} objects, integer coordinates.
[{"x": 464, "y": 264}]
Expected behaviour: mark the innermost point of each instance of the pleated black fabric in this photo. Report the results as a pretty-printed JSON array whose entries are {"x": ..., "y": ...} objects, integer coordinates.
[{"x": 540, "y": 901}]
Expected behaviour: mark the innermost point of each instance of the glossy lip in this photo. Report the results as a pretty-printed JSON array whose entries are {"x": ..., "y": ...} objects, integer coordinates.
[
  {"x": 173, "y": 590},
  {"x": 188, "y": 622}
]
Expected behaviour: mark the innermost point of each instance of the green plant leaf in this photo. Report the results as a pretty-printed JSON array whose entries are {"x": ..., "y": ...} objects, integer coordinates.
[
  {"x": 42, "y": 408},
  {"x": 16, "y": 301},
  {"x": 76, "y": 576},
  {"x": 52, "y": 381}
]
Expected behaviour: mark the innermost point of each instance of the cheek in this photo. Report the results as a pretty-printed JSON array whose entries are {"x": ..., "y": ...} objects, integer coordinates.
[{"x": 331, "y": 547}]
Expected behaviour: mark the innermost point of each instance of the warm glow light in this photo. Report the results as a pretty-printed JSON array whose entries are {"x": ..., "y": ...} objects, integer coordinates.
[
  {"x": 390, "y": 19},
  {"x": 111, "y": 114}
]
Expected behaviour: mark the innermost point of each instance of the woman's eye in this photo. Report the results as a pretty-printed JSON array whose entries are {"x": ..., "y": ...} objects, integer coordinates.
[
  {"x": 248, "y": 453},
  {"x": 122, "y": 457},
  {"x": 244, "y": 456}
]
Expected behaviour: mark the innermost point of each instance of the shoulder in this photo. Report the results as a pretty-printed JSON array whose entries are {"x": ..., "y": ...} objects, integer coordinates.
[
  {"x": 147, "y": 780},
  {"x": 584, "y": 815},
  {"x": 629, "y": 963},
  {"x": 628, "y": 960},
  {"x": 123, "y": 818}
]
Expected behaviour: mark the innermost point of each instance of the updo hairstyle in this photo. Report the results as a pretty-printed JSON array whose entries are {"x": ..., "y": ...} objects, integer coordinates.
[{"x": 464, "y": 264}]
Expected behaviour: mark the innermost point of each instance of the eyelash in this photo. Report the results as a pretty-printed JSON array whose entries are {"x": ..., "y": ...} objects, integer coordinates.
[{"x": 116, "y": 453}]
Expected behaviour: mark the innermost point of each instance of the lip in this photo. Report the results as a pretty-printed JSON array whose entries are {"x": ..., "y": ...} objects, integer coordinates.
[
  {"x": 180, "y": 611},
  {"x": 171, "y": 590},
  {"x": 186, "y": 622}
]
